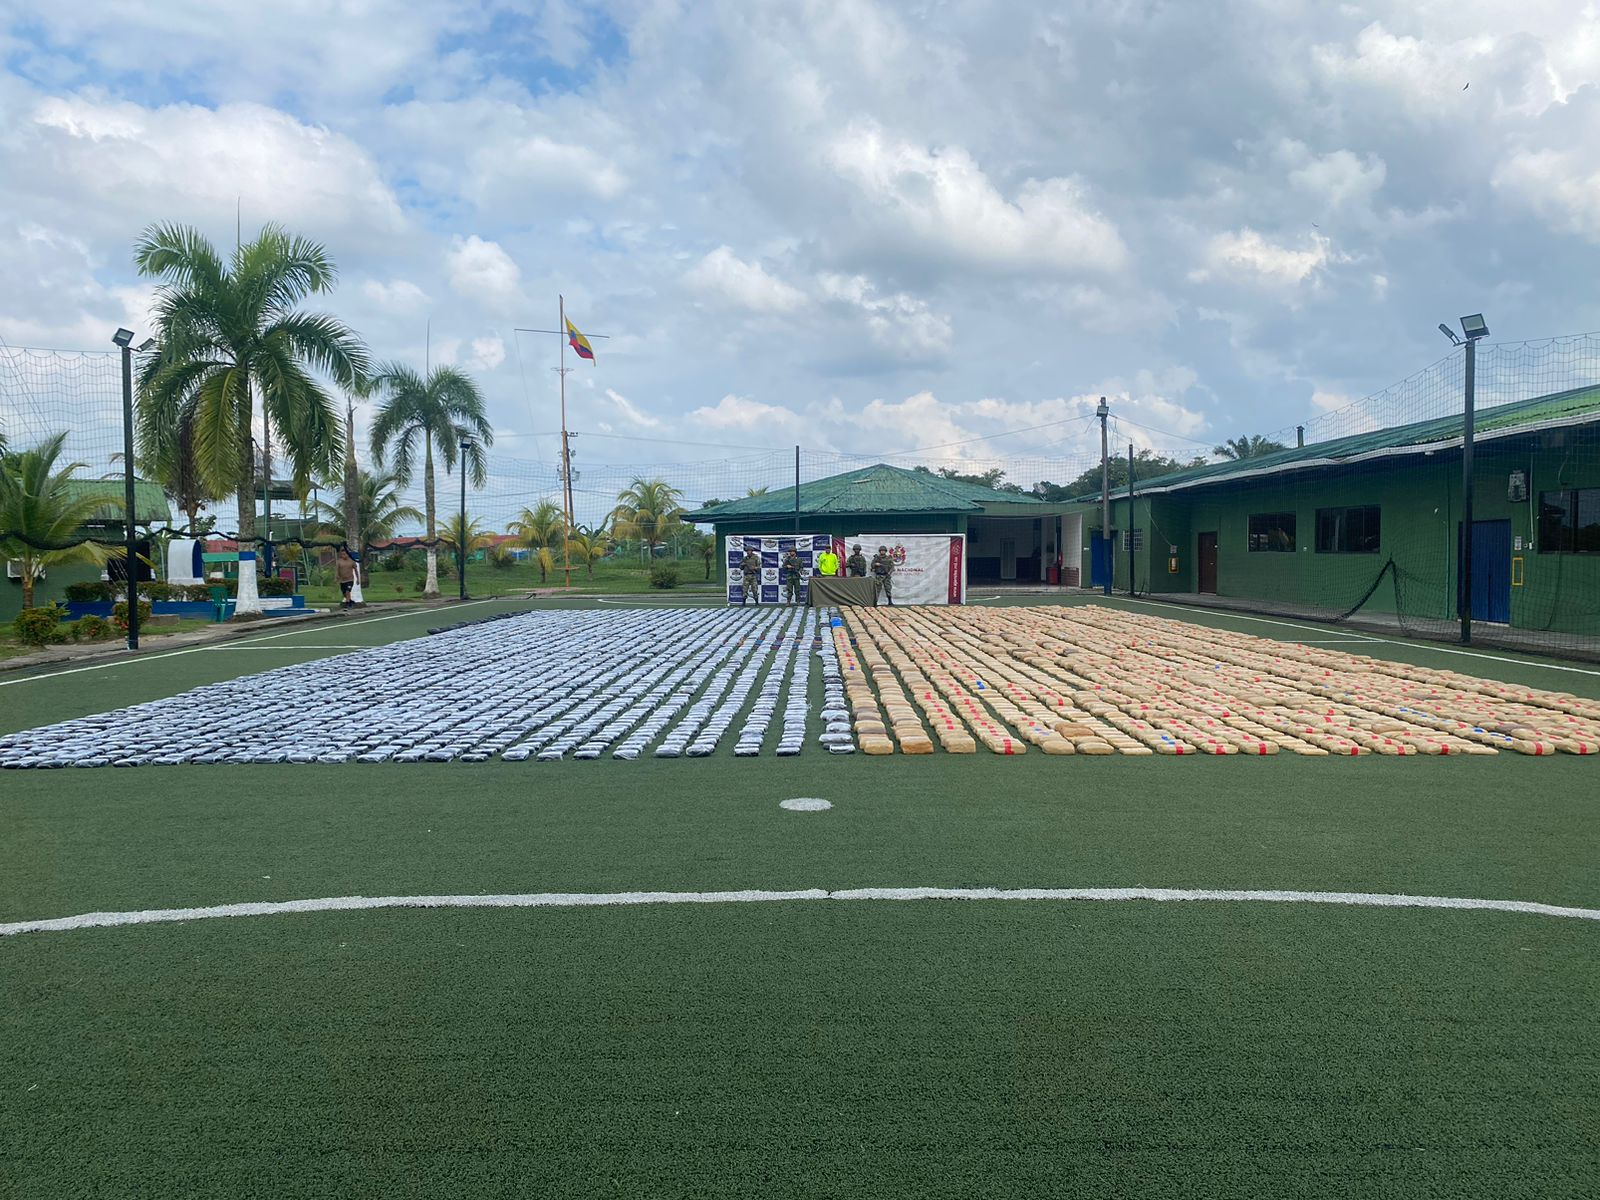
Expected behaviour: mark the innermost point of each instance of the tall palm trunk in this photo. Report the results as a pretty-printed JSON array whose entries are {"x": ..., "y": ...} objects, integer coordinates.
[
  {"x": 248, "y": 603},
  {"x": 352, "y": 505},
  {"x": 430, "y": 589},
  {"x": 28, "y": 573}
]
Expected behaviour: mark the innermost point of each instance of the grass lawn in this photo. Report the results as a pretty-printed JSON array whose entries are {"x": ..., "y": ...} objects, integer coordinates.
[
  {"x": 154, "y": 627},
  {"x": 822, "y": 1048},
  {"x": 483, "y": 580}
]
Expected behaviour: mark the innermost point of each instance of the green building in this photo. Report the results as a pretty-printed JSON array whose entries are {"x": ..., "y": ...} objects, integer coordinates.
[
  {"x": 1011, "y": 536},
  {"x": 1371, "y": 522},
  {"x": 105, "y": 525}
]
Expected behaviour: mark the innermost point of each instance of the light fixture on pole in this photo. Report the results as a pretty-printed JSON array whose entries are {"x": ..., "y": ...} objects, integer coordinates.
[
  {"x": 123, "y": 339},
  {"x": 461, "y": 530},
  {"x": 1103, "y": 411},
  {"x": 1473, "y": 327}
]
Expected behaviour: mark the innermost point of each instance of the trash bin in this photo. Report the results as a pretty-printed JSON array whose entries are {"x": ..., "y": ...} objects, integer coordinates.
[{"x": 1052, "y": 575}]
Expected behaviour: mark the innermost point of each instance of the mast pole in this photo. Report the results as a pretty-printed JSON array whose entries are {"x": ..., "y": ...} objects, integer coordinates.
[{"x": 566, "y": 450}]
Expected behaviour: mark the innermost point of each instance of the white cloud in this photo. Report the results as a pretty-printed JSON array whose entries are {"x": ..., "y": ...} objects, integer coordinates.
[
  {"x": 1329, "y": 401},
  {"x": 542, "y": 164},
  {"x": 631, "y": 412},
  {"x": 745, "y": 415},
  {"x": 487, "y": 354},
  {"x": 115, "y": 164},
  {"x": 398, "y": 295},
  {"x": 483, "y": 272},
  {"x": 1338, "y": 178},
  {"x": 726, "y": 277},
  {"x": 1561, "y": 186},
  {"x": 1247, "y": 255},
  {"x": 902, "y": 324},
  {"x": 941, "y": 202}
]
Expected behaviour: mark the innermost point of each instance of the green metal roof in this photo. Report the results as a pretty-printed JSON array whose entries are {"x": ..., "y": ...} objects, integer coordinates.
[
  {"x": 876, "y": 489},
  {"x": 1503, "y": 420},
  {"x": 149, "y": 501}
]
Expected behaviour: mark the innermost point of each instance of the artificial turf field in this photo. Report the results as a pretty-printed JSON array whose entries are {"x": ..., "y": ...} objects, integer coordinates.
[{"x": 816, "y": 1048}]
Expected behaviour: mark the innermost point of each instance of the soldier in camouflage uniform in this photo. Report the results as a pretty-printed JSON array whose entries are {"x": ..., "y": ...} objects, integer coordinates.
[
  {"x": 793, "y": 577},
  {"x": 856, "y": 564},
  {"x": 883, "y": 574},
  {"x": 750, "y": 568}
]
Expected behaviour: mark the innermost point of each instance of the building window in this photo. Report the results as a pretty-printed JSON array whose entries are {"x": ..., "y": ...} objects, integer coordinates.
[
  {"x": 1272, "y": 532},
  {"x": 1569, "y": 521},
  {"x": 1348, "y": 530}
]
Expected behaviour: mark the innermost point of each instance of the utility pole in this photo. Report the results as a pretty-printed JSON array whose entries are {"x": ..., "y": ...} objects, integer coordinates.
[
  {"x": 461, "y": 540},
  {"x": 1105, "y": 492},
  {"x": 1130, "y": 519},
  {"x": 566, "y": 444},
  {"x": 124, "y": 340},
  {"x": 1473, "y": 327},
  {"x": 797, "y": 491},
  {"x": 1466, "y": 492}
]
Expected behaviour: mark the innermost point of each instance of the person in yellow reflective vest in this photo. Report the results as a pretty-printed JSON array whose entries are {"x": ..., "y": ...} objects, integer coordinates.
[{"x": 827, "y": 563}]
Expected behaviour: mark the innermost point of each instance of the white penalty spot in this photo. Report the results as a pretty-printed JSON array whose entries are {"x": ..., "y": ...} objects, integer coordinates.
[{"x": 804, "y": 804}]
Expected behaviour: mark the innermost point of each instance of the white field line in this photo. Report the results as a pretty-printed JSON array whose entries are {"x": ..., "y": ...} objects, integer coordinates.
[
  {"x": 1417, "y": 645},
  {"x": 104, "y": 920},
  {"x": 298, "y": 646},
  {"x": 271, "y": 637}
]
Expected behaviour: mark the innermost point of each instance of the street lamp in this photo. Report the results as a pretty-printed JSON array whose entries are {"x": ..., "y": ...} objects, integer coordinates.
[
  {"x": 123, "y": 339},
  {"x": 1473, "y": 327},
  {"x": 461, "y": 532}
]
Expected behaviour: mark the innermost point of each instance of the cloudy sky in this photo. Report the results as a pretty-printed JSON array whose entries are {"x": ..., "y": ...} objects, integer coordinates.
[{"x": 860, "y": 225}]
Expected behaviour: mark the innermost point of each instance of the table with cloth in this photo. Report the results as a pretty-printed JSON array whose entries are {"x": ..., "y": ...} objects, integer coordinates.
[{"x": 843, "y": 591}]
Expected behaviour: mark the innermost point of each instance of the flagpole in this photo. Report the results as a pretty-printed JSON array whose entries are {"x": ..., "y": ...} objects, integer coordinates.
[{"x": 566, "y": 452}]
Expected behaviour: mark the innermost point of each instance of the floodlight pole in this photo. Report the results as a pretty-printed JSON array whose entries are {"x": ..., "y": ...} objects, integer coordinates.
[
  {"x": 797, "y": 491},
  {"x": 461, "y": 539},
  {"x": 131, "y": 534},
  {"x": 1130, "y": 519},
  {"x": 1105, "y": 491},
  {"x": 1465, "y": 599}
]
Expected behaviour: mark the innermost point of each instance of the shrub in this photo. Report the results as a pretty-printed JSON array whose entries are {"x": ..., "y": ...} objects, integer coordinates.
[
  {"x": 91, "y": 629},
  {"x": 393, "y": 562},
  {"x": 90, "y": 590},
  {"x": 276, "y": 587},
  {"x": 39, "y": 626},
  {"x": 159, "y": 591},
  {"x": 119, "y": 613},
  {"x": 664, "y": 575},
  {"x": 501, "y": 559}
]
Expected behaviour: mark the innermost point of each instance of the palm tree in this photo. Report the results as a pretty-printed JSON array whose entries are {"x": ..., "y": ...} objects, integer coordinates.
[
  {"x": 647, "y": 509},
  {"x": 440, "y": 411},
  {"x": 44, "y": 513},
  {"x": 755, "y": 491},
  {"x": 231, "y": 333},
  {"x": 541, "y": 528},
  {"x": 588, "y": 546},
  {"x": 477, "y": 536},
  {"x": 1251, "y": 446},
  {"x": 379, "y": 508}
]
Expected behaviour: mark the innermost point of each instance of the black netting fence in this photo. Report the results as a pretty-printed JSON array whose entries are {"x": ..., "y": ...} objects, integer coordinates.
[{"x": 1351, "y": 515}]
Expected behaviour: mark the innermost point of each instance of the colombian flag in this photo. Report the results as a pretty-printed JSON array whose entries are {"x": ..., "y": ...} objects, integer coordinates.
[{"x": 579, "y": 343}]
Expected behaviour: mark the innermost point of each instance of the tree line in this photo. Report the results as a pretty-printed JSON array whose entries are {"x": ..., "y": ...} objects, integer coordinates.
[{"x": 236, "y": 343}]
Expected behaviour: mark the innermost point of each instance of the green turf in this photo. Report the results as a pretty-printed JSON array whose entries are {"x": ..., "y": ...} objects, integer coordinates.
[
  {"x": 815, "y": 1050},
  {"x": 820, "y": 1049}
]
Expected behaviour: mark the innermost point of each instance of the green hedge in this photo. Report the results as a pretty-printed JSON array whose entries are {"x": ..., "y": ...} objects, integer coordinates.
[{"x": 39, "y": 626}]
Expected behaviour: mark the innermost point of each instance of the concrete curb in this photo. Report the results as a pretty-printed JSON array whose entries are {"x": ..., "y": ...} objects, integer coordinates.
[{"x": 223, "y": 632}]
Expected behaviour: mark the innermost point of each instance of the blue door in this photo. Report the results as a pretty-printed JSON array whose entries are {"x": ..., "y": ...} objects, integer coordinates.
[
  {"x": 1100, "y": 561},
  {"x": 1491, "y": 571}
]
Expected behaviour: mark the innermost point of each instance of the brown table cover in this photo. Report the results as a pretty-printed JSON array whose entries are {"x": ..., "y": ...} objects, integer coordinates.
[{"x": 842, "y": 591}]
